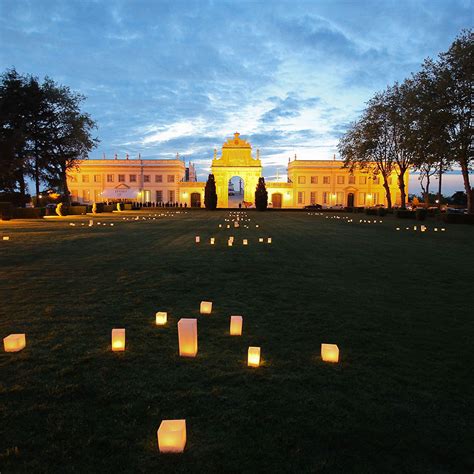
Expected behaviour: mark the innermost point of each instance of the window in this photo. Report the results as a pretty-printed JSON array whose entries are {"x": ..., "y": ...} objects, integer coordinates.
[
  {"x": 340, "y": 180},
  {"x": 325, "y": 197},
  {"x": 301, "y": 179},
  {"x": 352, "y": 180},
  {"x": 300, "y": 197},
  {"x": 121, "y": 178},
  {"x": 97, "y": 178},
  {"x": 85, "y": 178},
  {"x": 97, "y": 195},
  {"x": 133, "y": 178},
  {"x": 326, "y": 179},
  {"x": 146, "y": 178},
  {"x": 110, "y": 178},
  {"x": 362, "y": 179},
  {"x": 86, "y": 195},
  {"x": 170, "y": 195},
  {"x": 158, "y": 178},
  {"x": 314, "y": 180},
  {"x": 171, "y": 178},
  {"x": 313, "y": 197},
  {"x": 159, "y": 196},
  {"x": 361, "y": 199},
  {"x": 340, "y": 198},
  {"x": 376, "y": 180},
  {"x": 375, "y": 199}
]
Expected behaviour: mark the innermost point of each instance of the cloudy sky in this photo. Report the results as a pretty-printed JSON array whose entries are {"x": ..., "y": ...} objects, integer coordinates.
[{"x": 163, "y": 77}]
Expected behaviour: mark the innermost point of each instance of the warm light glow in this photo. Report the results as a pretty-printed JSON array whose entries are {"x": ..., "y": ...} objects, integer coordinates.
[
  {"x": 161, "y": 318},
  {"x": 236, "y": 325},
  {"x": 230, "y": 243},
  {"x": 269, "y": 240},
  {"x": 6, "y": 237},
  {"x": 172, "y": 436},
  {"x": 14, "y": 342},
  {"x": 185, "y": 195},
  {"x": 187, "y": 337},
  {"x": 198, "y": 239},
  {"x": 254, "y": 357},
  {"x": 206, "y": 307},
  {"x": 213, "y": 240},
  {"x": 329, "y": 352},
  {"x": 245, "y": 242},
  {"x": 260, "y": 239},
  {"x": 118, "y": 340}
]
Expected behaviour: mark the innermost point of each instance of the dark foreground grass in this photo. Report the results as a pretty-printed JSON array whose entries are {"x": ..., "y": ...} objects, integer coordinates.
[{"x": 398, "y": 304}]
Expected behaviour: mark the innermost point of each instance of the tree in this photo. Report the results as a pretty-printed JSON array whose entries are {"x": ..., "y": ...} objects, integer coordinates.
[
  {"x": 70, "y": 140},
  {"x": 454, "y": 77},
  {"x": 261, "y": 195},
  {"x": 210, "y": 194}
]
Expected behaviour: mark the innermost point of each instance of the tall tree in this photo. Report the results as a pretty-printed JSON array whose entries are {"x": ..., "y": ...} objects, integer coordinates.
[
  {"x": 261, "y": 195},
  {"x": 210, "y": 194},
  {"x": 69, "y": 134},
  {"x": 454, "y": 73}
]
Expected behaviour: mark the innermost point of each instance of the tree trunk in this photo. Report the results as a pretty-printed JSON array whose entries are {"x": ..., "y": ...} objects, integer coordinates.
[
  {"x": 467, "y": 187},
  {"x": 439, "y": 183},
  {"x": 37, "y": 180},
  {"x": 401, "y": 185},
  {"x": 22, "y": 185},
  {"x": 387, "y": 192},
  {"x": 427, "y": 191},
  {"x": 66, "y": 193}
]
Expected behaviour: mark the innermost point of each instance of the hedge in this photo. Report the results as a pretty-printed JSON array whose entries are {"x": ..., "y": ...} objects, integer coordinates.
[
  {"x": 405, "y": 214},
  {"x": 28, "y": 213},
  {"x": 6, "y": 211},
  {"x": 458, "y": 218}
]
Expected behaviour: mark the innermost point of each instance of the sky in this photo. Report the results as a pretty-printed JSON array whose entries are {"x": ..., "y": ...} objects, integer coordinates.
[{"x": 167, "y": 77}]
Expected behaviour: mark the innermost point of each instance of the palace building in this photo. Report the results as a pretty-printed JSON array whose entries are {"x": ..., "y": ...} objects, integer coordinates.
[{"x": 170, "y": 181}]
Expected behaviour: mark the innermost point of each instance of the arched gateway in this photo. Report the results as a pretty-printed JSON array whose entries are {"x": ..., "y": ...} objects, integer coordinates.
[{"x": 236, "y": 160}]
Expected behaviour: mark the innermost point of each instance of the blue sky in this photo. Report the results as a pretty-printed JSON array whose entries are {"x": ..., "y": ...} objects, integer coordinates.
[{"x": 165, "y": 77}]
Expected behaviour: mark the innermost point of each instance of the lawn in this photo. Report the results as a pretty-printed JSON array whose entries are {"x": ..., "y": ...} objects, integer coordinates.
[{"x": 398, "y": 305}]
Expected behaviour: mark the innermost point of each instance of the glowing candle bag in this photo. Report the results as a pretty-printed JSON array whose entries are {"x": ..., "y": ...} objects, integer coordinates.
[
  {"x": 14, "y": 342},
  {"x": 118, "y": 340},
  {"x": 330, "y": 352},
  {"x": 161, "y": 318},
  {"x": 254, "y": 357},
  {"x": 172, "y": 436},
  {"x": 236, "y": 325},
  {"x": 206, "y": 307},
  {"x": 188, "y": 338}
]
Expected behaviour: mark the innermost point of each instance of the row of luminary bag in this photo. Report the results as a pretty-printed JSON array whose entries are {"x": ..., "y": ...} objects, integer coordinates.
[{"x": 172, "y": 433}]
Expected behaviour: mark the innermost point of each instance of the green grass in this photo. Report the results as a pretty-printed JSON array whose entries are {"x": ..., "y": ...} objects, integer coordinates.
[{"x": 398, "y": 304}]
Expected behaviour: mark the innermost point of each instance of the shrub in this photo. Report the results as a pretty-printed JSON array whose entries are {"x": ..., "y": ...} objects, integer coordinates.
[
  {"x": 458, "y": 218},
  {"x": 28, "y": 213},
  {"x": 108, "y": 208},
  {"x": 210, "y": 194},
  {"x": 261, "y": 195},
  {"x": 127, "y": 206},
  {"x": 6, "y": 211},
  {"x": 77, "y": 210},
  {"x": 371, "y": 211},
  {"x": 60, "y": 210},
  {"x": 405, "y": 214},
  {"x": 381, "y": 211},
  {"x": 421, "y": 214}
]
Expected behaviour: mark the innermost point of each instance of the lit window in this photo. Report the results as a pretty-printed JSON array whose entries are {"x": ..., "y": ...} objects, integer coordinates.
[
  {"x": 85, "y": 178},
  {"x": 314, "y": 180},
  {"x": 133, "y": 178},
  {"x": 325, "y": 197},
  {"x": 313, "y": 197},
  {"x": 171, "y": 178},
  {"x": 361, "y": 199},
  {"x": 362, "y": 179},
  {"x": 158, "y": 178},
  {"x": 301, "y": 179},
  {"x": 121, "y": 178},
  {"x": 300, "y": 197},
  {"x": 171, "y": 195},
  {"x": 352, "y": 180},
  {"x": 110, "y": 178},
  {"x": 146, "y": 178},
  {"x": 326, "y": 179},
  {"x": 159, "y": 196},
  {"x": 340, "y": 180},
  {"x": 97, "y": 178}
]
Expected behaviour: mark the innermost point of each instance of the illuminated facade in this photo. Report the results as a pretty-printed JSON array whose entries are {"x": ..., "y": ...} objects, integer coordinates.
[{"x": 162, "y": 181}]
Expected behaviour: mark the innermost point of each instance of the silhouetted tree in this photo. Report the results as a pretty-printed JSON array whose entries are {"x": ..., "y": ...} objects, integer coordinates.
[
  {"x": 261, "y": 195},
  {"x": 210, "y": 194}
]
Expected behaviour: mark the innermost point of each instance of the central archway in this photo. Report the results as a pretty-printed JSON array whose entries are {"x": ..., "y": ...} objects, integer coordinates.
[
  {"x": 235, "y": 194},
  {"x": 236, "y": 161}
]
